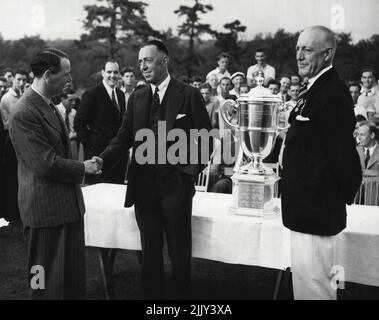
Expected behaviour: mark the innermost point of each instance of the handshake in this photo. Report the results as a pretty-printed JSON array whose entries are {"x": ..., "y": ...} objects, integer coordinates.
[{"x": 93, "y": 166}]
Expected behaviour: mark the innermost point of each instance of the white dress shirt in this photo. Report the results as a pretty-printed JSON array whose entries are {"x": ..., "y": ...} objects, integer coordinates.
[
  {"x": 162, "y": 88},
  {"x": 109, "y": 91}
]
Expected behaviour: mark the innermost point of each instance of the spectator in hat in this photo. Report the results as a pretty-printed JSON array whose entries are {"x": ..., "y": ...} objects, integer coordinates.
[{"x": 237, "y": 78}]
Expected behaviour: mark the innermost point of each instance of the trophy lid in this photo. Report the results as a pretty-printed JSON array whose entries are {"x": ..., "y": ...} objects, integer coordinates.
[{"x": 259, "y": 94}]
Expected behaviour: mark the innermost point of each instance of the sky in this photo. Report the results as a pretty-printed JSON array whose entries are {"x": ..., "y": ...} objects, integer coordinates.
[{"x": 53, "y": 19}]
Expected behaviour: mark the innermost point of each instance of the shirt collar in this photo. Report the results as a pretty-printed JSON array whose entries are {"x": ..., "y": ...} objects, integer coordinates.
[
  {"x": 312, "y": 80},
  {"x": 163, "y": 86},
  {"x": 108, "y": 88},
  {"x": 47, "y": 100},
  {"x": 364, "y": 90},
  {"x": 12, "y": 92},
  {"x": 371, "y": 149}
]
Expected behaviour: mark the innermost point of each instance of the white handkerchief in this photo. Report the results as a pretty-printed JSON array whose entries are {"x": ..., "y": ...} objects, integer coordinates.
[
  {"x": 179, "y": 116},
  {"x": 3, "y": 223},
  {"x": 301, "y": 118}
]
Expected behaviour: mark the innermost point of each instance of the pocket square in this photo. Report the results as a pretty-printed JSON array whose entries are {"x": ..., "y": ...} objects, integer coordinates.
[
  {"x": 301, "y": 118},
  {"x": 179, "y": 116}
]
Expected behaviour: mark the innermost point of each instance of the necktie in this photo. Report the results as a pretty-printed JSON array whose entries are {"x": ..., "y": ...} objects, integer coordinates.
[
  {"x": 115, "y": 101},
  {"x": 367, "y": 158},
  {"x": 67, "y": 119},
  {"x": 156, "y": 100},
  {"x": 303, "y": 88},
  {"x": 155, "y": 118}
]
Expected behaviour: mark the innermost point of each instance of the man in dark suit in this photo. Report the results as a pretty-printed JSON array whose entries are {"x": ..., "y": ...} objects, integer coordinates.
[
  {"x": 368, "y": 148},
  {"x": 98, "y": 119},
  {"x": 161, "y": 192},
  {"x": 321, "y": 170},
  {"x": 50, "y": 199}
]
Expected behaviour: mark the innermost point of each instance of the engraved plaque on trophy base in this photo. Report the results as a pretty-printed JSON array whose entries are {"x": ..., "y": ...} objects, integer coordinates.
[{"x": 253, "y": 195}]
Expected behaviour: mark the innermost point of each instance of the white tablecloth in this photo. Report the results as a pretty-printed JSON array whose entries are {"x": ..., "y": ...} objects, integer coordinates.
[{"x": 220, "y": 236}]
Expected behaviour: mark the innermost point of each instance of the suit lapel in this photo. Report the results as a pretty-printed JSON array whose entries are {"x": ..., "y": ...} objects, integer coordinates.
[
  {"x": 374, "y": 158},
  {"x": 142, "y": 108},
  {"x": 108, "y": 100},
  {"x": 317, "y": 85},
  {"x": 54, "y": 120},
  {"x": 174, "y": 102},
  {"x": 46, "y": 111},
  {"x": 361, "y": 154}
]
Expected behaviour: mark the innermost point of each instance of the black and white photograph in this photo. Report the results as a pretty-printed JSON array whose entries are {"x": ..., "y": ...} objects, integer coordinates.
[{"x": 189, "y": 154}]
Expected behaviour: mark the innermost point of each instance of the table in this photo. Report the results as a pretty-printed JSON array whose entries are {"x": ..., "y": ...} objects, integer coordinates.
[{"x": 220, "y": 236}]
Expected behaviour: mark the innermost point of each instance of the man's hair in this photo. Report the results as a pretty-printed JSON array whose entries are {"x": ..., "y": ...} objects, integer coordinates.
[
  {"x": 371, "y": 127},
  {"x": 328, "y": 37},
  {"x": 22, "y": 72},
  {"x": 47, "y": 59},
  {"x": 109, "y": 61},
  {"x": 272, "y": 81},
  {"x": 196, "y": 79},
  {"x": 354, "y": 84},
  {"x": 206, "y": 86},
  {"x": 223, "y": 55},
  {"x": 245, "y": 85},
  {"x": 225, "y": 78},
  {"x": 368, "y": 69},
  {"x": 260, "y": 50},
  {"x": 8, "y": 70},
  {"x": 159, "y": 45},
  {"x": 128, "y": 70},
  {"x": 292, "y": 84},
  {"x": 184, "y": 79},
  {"x": 285, "y": 76}
]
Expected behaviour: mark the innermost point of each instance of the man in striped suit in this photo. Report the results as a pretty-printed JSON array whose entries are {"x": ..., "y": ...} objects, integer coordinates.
[{"x": 50, "y": 199}]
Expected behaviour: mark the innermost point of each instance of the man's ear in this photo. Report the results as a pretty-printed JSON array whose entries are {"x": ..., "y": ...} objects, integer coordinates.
[
  {"x": 328, "y": 54},
  {"x": 165, "y": 60},
  {"x": 47, "y": 75}
]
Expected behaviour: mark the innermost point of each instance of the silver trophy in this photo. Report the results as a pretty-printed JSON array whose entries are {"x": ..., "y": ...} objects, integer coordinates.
[{"x": 254, "y": 184}]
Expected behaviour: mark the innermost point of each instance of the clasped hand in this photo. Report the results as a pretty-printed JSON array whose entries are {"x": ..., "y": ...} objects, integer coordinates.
[{"x": 94, "y": 166}]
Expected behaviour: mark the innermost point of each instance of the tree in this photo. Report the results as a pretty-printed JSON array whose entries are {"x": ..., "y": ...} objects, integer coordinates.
[
  {"x": 115, "y": 22},
  {"x": 193, "y": 28},
  {"x": 228, "y": 41}
]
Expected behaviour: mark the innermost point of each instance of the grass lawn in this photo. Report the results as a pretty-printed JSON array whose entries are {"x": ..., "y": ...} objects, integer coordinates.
[{"x": 210, "y": 279}]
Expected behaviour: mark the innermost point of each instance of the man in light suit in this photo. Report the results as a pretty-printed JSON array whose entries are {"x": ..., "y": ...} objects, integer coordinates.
[
  {"x": 50, "y": 199},
  {"x": 98, "y": 119},
  {"x": 161, "y": 192},
  {"x": 368, "y": 148},
  {"x": 320, "y": 175}
]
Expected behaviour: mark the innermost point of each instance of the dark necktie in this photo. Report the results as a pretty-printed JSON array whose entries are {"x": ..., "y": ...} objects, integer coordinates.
[
  {"x": 156, "y": 100},
  {"x": 367, "y": 158},
  {"x": 115, "y": 101},
  {"x": 155, "y": 116},
  {"x": 303, "y": 89},
  {"x": 67, "y": 119}
]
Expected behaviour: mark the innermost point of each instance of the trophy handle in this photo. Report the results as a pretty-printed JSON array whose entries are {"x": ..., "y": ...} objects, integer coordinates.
[{"x": 224, "y": 110}]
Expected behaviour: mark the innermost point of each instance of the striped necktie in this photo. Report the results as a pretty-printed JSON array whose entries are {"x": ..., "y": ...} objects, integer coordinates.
[
  {"x": 303, "y": 89},
  {"x": 367, "y": 157}
]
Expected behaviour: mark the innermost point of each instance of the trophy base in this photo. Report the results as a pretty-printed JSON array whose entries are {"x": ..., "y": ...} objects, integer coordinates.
[{"x": 255, "y": 195}]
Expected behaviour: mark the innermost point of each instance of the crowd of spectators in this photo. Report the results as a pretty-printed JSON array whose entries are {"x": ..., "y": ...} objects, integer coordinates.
[{"x": 218, "y": 86}]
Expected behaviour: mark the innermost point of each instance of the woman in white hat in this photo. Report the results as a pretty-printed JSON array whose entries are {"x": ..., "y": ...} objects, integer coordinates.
[{"x": 238, "y": 78}]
